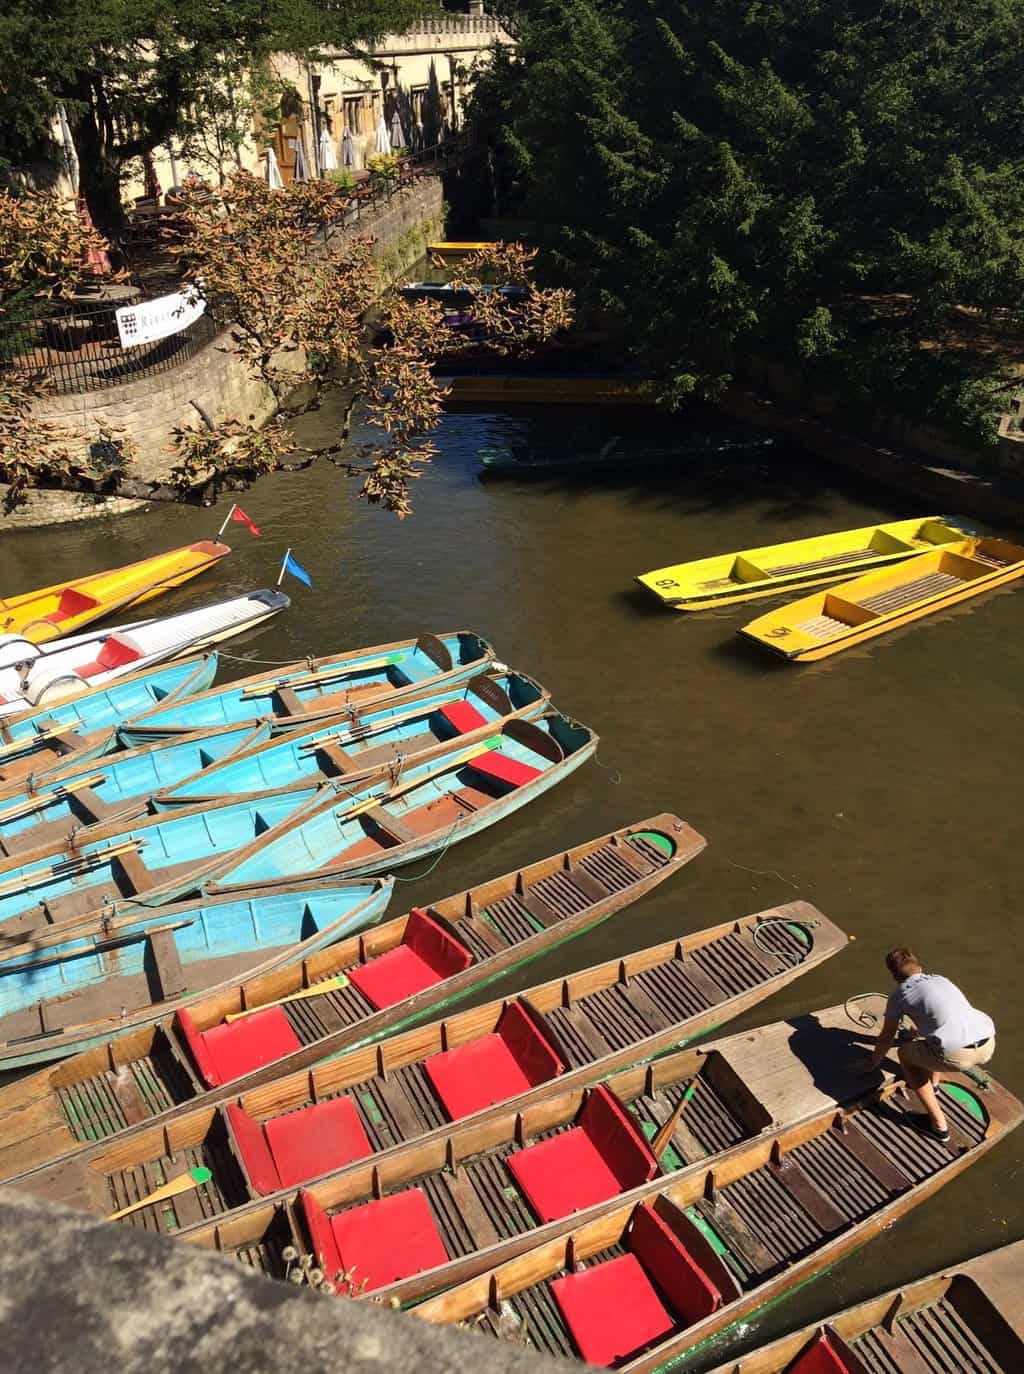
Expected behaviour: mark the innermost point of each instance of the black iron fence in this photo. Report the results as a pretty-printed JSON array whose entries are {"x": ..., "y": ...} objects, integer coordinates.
[{"x": 75, "y": 345}]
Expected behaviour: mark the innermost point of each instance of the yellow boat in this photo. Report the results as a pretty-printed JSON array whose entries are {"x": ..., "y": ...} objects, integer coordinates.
[
  {"x": 450, "y": 248},
  {"x": 825, "y": 623},
  {"x": 730, "y": 577},
  {"x": 67, "y": 606}
]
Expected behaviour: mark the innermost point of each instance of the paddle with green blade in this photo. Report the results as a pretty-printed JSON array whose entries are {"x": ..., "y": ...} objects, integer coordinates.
[{"x": 195, "y": 1178}]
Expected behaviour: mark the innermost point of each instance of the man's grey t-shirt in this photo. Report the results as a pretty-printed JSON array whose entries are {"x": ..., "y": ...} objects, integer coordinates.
[{"x": 940, "y": 1011}]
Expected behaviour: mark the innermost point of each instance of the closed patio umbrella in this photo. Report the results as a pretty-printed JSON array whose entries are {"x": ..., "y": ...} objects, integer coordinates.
[
  {"x": 301, "y": 171},
  {"x": 328, "y": 157},
  {"x": 397, "y": 133},
  {"x": 348, "y": 149},
  {"x": 383, "y": 144},
  {"x": 273, "y": 171}
]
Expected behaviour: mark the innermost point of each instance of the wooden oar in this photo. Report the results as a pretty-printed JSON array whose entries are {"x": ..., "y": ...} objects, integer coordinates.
[
  {"x": 99, "y": 948},
  {"x": 401, "y": 788},
  {"x": 25, "y": 741},
  {"x": 314, "y": 990},
  {"x": 27, "y": 880},
  {"x": 357, "y": 735},
  {"x": 38, "y": 802},
  {"x": 270, "y": 685},
  {"x": 661, "y": 1141},
  {"x": 195, "y": 1178}
]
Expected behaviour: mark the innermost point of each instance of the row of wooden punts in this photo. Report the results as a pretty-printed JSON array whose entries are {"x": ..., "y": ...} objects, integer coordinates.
[
  {"x": 229, "y": 1043},
  {"x": 917, "y": 568}
]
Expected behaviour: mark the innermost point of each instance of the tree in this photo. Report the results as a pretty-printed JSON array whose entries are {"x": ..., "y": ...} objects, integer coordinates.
[
  {"x": 801, "y": 179},
  {"x": 129, "y": 72}
]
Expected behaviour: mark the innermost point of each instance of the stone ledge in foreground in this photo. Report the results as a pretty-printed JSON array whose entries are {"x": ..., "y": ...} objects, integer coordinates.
[{"x": 81, "y": 1296}]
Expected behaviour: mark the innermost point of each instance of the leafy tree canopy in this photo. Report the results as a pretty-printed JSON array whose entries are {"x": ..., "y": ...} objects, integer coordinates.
[
  {"x": 773, "y": 176},
  {"x": 129, "y": 71}
]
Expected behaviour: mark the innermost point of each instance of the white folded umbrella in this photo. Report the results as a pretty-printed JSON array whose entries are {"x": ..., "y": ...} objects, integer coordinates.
[
  {"x": 273, "y": 171},
  {"x": 348, "y": 150},
  {"x": 383, "y": 144},
  {"x": 328, "y": 157}
]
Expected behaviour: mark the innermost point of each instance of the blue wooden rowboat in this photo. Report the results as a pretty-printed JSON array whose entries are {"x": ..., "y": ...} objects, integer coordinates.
[
  {"x": 368, "y": 827},
  {"x": 116, "y": 786},
  {"x": 128, "y": 968},
  {"x": 355, "y": 747},
  {"x": 40, "y": 741},
  {"x": 305, "y": 692},
  {"x": 427, "y": 808}
]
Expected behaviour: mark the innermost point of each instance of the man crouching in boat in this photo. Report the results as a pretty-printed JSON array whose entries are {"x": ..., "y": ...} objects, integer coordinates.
[{"x": 952, "y": 1035}]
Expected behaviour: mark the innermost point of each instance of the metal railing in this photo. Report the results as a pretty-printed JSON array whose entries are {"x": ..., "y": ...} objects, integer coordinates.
[{"x": 75, "y": 346}]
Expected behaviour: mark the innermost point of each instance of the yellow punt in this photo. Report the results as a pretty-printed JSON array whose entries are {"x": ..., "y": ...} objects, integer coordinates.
[
  {"x": 451, "y": 247},
  {"x": 66, "y": 607},
  {"x": 826, "y": 623},
  {"x": 730, "y": 577}
]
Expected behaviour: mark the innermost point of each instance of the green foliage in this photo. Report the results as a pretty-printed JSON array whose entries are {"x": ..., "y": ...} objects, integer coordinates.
[{"x": 725, "y": 179}]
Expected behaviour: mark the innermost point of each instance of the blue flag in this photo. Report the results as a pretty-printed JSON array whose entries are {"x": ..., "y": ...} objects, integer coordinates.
[{"x": 292, "y": 565}]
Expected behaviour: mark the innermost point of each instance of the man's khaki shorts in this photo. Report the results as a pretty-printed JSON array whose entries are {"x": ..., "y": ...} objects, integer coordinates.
[{"x": 927, "y": 1055}]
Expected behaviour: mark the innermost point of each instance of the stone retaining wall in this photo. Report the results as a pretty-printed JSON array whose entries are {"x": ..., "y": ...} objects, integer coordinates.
[{"x": 148, "y": 408}]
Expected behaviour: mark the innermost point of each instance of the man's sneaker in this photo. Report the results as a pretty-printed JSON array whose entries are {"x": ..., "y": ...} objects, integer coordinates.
[{"x": 922, "y": 1122}]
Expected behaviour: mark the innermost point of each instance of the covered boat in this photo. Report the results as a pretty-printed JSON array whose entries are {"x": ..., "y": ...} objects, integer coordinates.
[
  {"x": 346, "y": 829},
  {"x": 968, "y": 1316},
  {"x": 825, "y": 623},
  {"x": 64, "y": 993},
  {"x": 34, "y": 744},
  {"x": 319, "y": 688},
  {"x": 114, "y": 786},
  {"x": 727, "y": 578},
  {"x": 447, "y": 292},
  {"x": 386, "y": 737},
  {"x": 31, "y": 676},
  {"x": 475, "y": 1065},
  {"x": 648, "y": 1281},
  {"x": 66, "y": 607}
]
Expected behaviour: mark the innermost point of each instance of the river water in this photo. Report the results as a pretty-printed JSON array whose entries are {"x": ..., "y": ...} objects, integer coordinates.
[{"x": 882, "y": 785}]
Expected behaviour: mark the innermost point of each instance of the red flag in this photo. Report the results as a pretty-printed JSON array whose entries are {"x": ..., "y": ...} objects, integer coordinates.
[{"x": 239, "y": 514}]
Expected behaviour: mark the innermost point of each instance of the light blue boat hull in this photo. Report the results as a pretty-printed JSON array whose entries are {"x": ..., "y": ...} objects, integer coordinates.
[
  {"x": 341, "y": 682},
  {"x": 276, "y": 928},
  {"x": 290, "y": 760}
]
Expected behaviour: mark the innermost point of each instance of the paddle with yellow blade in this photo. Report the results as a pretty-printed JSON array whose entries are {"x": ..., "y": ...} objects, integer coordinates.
[
  {"x": 314, "y": 990},
  {"x": 73, "y": 866},
  {"x": 195, "y": 1178},
  {"x": 43, "y": 799},
  {"x": 661, "y": 1141}
]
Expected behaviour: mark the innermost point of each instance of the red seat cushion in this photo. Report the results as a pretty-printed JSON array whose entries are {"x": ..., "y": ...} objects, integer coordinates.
[
  {"x": 612, "y": 1310},
  {"x": 462, "y": 716},
  {"x": 316, "y": 1140},
  {"x": 427, "y": 955},
  {"x": 321, "y": 1235},
  {"x": 115, "y": 653},
  {"x": 71, "y": 603},
  {"x": 820, "y": 1357},
  {"x": 390, "y": 1239},
  {"x": 238, "y": 1047},
  {"x": 509, "y": 1061},
  {"x": 251, "y": 1144},
  {"x": 201, "y": 1057},
  {"x": 494, "y": 764},
  {"x": 692, "y": 1294},
  {"x": 598, "y": 1159}
]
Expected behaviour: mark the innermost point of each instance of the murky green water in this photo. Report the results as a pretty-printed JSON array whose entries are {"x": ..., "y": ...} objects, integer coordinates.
[{"x": 882, "y": 785}]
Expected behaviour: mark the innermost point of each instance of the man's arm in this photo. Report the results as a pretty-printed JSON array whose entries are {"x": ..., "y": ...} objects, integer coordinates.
[{"x": 884, "y": 1042}]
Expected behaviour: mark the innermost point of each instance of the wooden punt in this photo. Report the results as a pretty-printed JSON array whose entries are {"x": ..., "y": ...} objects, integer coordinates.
[
  {"x": 728, "y": 578},
  {"x": 38, "y": 742},
  {"x": 826, "y": 623},
  {"x": 115, "y": 786},
  {"x": 321, "y": 687},
  {"x": 342, "y": 829},
  {"x": 487, "y": 1190},
  {"x": 968, "y": 1317},
  {"x": 62, "y": 994},
  {"x": 67, "y": 606},
  {"x": 356, "y": 746},
  {"x": 68, "y": 1130},
  {"x": 456, "y": 248},
  {"x": 648, "y": 1283}
]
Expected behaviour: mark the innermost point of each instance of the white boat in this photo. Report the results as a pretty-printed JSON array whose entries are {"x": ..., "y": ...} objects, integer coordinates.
[{"x": 33, "y": 675}]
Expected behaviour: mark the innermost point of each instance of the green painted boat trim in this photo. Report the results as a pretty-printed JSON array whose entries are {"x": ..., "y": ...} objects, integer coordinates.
[
  {"x": 967, "y": 1100},
  {"x": 659, "y": 839}
]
